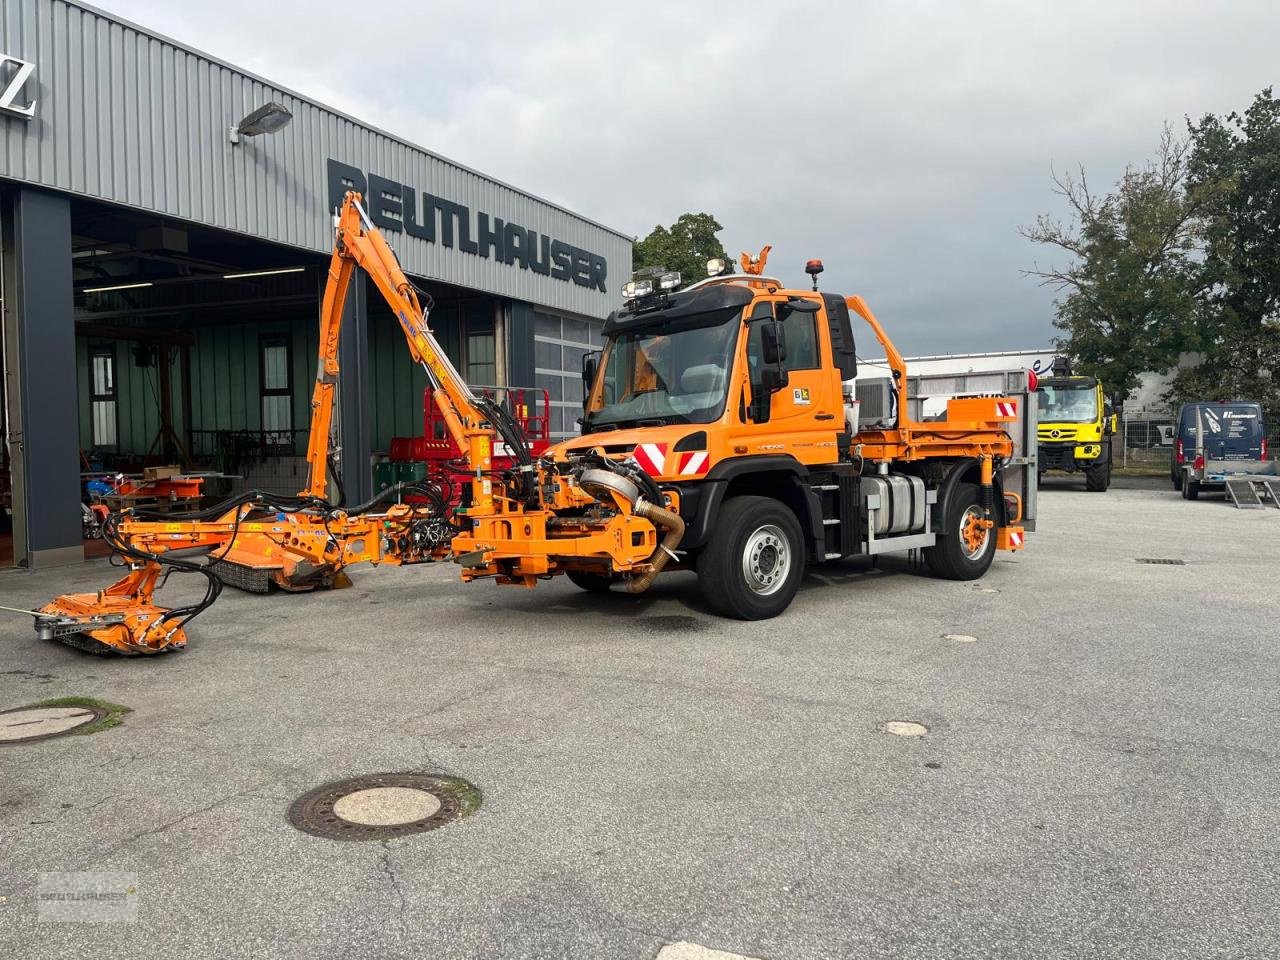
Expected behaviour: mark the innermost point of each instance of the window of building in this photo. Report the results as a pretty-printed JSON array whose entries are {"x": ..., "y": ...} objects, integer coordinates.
[
  {"x": 277, "y": 390},
  {"x": 102, "y": 394},
  {"x": 482, "y": 358},
  {"x": 559, "y": 344}
]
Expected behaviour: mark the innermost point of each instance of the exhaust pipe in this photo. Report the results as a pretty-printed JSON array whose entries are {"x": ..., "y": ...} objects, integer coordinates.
[
  {"x": 664, "y": 519},
  {"x": 602, "y": 484}
]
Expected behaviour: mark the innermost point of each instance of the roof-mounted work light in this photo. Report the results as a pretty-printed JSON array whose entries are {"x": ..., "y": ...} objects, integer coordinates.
[
  {"x": 266, "y": 119},
  {"x": 650, "y": 281}
]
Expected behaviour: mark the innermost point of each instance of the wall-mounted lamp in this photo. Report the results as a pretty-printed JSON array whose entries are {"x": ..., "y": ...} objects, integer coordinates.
[{"x": 266, "y": 119}]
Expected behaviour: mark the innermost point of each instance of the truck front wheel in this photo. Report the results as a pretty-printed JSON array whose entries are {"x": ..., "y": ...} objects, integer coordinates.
[
  {"x": 1097, "y": 477},
  {"x": 753, "y": 563},
  {"x": 965, "y": 548}
]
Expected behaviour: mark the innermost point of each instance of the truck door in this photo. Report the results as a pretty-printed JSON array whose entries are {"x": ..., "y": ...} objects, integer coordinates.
[{"x": 805, "y": 414}]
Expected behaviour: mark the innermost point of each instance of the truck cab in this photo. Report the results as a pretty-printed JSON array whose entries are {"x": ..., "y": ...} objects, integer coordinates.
[
  {"x": 1076, "y": 426},
  {"x": 730, "y": 395}
]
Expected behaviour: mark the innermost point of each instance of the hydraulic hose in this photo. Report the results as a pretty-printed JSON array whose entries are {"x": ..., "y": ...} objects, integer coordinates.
[{"x": 674, "y": 526}]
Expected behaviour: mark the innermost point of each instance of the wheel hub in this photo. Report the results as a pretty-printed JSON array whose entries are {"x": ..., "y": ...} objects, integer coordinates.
[
  {"x": 766, "y": 560},
  {"x": 974, "y": 532}
]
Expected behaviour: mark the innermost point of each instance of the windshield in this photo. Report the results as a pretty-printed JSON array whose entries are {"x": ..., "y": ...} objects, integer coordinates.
[
  {"x": 1068, "y": 404},
  {"x": 660, "y": 375}
]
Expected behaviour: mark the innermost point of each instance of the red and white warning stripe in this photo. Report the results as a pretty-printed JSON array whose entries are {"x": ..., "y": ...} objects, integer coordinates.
[
  {"x": 1006, "y": 408},
  {"x": 652, "y": 458},
  {"x": 1015, "y": 539},
  {"x": 693, "y": 464}
]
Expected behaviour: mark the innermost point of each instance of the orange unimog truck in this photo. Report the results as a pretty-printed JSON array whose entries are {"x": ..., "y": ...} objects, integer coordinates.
[
  {"x": 719, "y": 435},
  {"x": 730, "y": 402}
]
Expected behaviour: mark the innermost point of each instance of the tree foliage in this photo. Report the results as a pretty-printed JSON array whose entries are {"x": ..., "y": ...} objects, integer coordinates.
[
  {"x": 1179, "y": 264},
  {"x": 686, "y": 246},
  {"x": 1127, "y": 303},
  {"x": 1235, "y": 171}
]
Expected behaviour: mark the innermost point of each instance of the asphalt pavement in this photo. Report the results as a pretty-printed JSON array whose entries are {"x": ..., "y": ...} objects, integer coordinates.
[{"x": 1098, "y": 779}]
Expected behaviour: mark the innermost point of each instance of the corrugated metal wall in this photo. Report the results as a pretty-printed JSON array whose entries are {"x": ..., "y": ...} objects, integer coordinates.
[{"x": 124, "y": 116}]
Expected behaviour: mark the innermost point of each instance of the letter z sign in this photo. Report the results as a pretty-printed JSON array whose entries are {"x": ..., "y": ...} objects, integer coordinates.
[{"x": 14, "y": 74}]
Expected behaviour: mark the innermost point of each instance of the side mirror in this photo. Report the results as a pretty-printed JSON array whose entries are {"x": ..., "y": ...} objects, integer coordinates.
[
  {"x": 773, "y": 347},
  {"x": 590, "y": 364}
]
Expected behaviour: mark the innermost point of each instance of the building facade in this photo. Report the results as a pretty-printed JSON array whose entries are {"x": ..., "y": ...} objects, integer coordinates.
[{"x": 165, "y": 224}]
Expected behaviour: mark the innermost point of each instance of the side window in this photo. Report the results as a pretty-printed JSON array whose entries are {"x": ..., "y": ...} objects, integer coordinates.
[
  {"x": 802, "y": 342},
  {"x": 800, "y": 335}
]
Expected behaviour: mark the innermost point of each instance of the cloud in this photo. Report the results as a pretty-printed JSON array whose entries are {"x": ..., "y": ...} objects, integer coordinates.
[{"x": 902, "y": 142}]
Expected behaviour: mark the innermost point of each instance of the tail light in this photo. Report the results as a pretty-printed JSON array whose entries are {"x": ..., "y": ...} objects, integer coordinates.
[
  {"x": 1264, "y": 448},
  {"x": 1199, "y": 462},
  {"x": 1181, "y": 456}
]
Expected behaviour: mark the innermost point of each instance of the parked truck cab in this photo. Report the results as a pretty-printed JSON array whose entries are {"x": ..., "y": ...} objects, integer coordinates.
[{"x": 1076, "y": 427}]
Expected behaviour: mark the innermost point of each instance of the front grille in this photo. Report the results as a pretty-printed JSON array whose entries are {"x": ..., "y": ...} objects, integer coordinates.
[{"x": 1062, "y": 433}]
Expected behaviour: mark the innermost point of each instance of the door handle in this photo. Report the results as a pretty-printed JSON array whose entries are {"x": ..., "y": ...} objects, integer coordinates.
[{"x": 824, "y": 416}]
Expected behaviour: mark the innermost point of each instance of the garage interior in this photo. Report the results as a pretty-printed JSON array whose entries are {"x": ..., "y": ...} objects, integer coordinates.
[{"x": 197, "y": 347}]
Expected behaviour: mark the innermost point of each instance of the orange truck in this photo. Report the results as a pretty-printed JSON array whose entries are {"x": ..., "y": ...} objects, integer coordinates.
[{"x": 719, "y": 434}]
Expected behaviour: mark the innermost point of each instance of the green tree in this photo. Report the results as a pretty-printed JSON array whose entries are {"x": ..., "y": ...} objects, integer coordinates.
[
  {"x": 1234, "y": 170},
  {"x": 1128, "y": 293},
  {"x": 686, "y": 246}
]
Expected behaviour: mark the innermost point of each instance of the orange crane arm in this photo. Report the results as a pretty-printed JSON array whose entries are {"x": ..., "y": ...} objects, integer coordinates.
[{"x": 358, "y": 244}]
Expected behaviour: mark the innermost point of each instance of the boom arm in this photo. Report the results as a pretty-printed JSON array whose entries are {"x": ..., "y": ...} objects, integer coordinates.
[{"x": 358, "y": 244}]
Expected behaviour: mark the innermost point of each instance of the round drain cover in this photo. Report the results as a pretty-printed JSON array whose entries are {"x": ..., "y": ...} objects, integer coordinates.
[
  {"x": 40, "y": 723},
  {"x": 383, "y": 805},
  {"x": 905, "y": 728},
  {"x": 386, "y": 806}
]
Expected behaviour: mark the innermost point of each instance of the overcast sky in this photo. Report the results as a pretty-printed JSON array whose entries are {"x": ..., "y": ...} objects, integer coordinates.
[{"x": 903, "y": 143}]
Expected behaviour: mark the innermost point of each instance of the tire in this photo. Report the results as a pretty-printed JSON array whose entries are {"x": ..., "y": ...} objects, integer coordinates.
[
  {"x": 751, "y": 567},
  {"x": 591, "y": 582},
  {"x": 1177, "y": 480},
  {"x": 951, "y": 558},
  {"x": 1190, "y": 489},
  {"x": 1097, "y": 478}
]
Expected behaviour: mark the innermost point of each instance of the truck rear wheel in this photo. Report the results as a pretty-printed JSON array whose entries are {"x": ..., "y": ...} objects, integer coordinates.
[
  {"x": 1097, "y": 478},
  {"x": 965, "y": 548},
  {"x": 591, "y": 582},
  {"x": 753, "y": 563}
]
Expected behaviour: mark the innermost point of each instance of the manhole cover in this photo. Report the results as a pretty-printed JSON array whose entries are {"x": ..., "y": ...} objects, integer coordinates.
[
  {"x": 905, "y": 728},
  {"x": 960, "y": 637},
  {"x": 1161, "y": 560},
  {"x": 382, "y": 806},
  {"x": 40, "y": 723}
]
